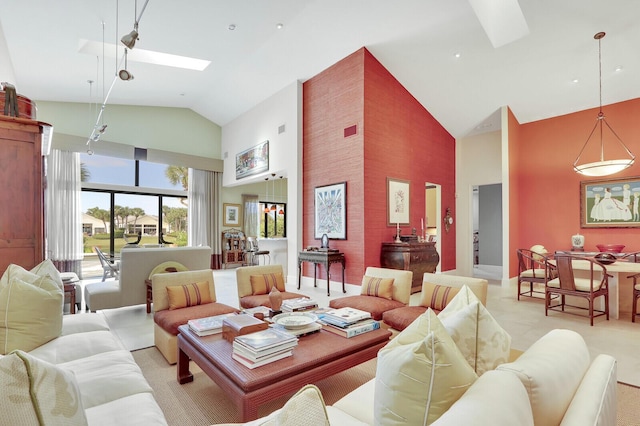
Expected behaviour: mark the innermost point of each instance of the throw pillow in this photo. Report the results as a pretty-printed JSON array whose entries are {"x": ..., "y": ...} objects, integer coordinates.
[
  {"x": 436, "y": 296},
  {"x": 378, "y": 287},
  {"x": 261, "y": 284},
  {"x": 36, "y": 392},
  {"x": 306, "y": 407},
  {"x": 183, "y": 296},
  {"x": 30, "y": 307},
  {"x": 478, "y": 335},
  {"x": 420, "y": 374}
]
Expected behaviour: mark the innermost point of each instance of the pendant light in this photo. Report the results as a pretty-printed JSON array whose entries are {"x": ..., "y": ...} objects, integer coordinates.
[
  {"x": 602, "y": 167},
  {"x": 273, "y": 186},
  {"x": 266, "y": 207},
  {"x": 281, "y": 211}
]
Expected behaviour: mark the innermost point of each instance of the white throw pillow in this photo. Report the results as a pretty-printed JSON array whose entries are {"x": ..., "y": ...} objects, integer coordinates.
[
  {"x": 484, "y": 343},
  {"x": 30, "y": 307},
  {"x": 305, "y": 408},
  {"x": 420, "y": 374},
  {"x": 35, "y": 392}
]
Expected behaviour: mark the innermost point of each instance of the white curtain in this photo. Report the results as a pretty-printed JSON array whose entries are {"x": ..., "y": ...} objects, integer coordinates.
[
  {"x": 251, "y": 216},
  {"x": 204, "y": 211},
  {"x": 63, "y": 217}
]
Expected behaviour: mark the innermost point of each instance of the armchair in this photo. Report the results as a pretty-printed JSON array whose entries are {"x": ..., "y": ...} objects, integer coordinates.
[
  {"x": 382, "y": 290},
  {"x": 109, "y": 268},
  {"x": 253, "y": 295},
  {"x": 533, "y": 269},
  {"x": 566, "y": 284},
  {"x": 170, "y": 313}
]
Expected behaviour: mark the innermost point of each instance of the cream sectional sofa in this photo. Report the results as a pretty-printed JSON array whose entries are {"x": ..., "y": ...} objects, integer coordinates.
[
  {"x": 554, "y": 382},
  {"x": 112, "y": 389}
]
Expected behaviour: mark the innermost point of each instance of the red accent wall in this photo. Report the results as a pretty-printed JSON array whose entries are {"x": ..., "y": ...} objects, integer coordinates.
[
  {"x": 396, "y": 137},
  {"x": 547, "y": 204}
]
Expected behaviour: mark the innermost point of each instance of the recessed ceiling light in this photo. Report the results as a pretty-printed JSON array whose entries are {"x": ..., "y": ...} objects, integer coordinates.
[
  {"x": 619, "y": 68},
  {"x": 279, "y": 26},
  {"x": 574, "y": 81},
  {"x": 95, "y": 48},
  {"x": 232, "y": 27},
  {"x": 457, "y": 55}
]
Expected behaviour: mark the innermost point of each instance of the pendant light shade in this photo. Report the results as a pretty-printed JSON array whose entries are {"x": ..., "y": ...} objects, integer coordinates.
[{"x": 603, "y": 167}]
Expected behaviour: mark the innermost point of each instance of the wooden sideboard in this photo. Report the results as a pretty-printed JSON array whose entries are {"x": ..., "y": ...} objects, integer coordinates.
[{"x": 410, "y": 256}]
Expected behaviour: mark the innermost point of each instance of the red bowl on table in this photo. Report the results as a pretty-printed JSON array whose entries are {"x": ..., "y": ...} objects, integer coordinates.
[{"x": 610, "y": 248}]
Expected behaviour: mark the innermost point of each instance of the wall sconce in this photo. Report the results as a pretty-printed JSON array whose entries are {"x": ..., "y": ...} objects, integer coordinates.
[{"x": 448, "y": 219}]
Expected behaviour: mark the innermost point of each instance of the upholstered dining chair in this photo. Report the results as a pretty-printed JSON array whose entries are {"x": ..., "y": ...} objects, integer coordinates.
[
  {"x": 566, "y": 284},
  {"x": 533, "y": 269},
  {"x": 109, "y": 268},
  {"x": 635, "y": 258}
]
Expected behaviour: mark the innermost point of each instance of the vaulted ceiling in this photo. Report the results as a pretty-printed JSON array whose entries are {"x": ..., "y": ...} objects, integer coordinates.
[{"x": 459, "y": 58}]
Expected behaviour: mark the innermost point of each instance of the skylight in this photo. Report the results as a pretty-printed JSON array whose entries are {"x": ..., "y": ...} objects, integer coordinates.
[{"x": 96, "y": 48}]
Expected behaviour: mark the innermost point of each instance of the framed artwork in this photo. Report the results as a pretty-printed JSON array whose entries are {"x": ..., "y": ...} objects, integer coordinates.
[
  {"x": 253, "y": 160},
  {"x": 330, "y": 211},
  {"x": 232, "y": 214},
  {"x": 397, "y": 202},
  {"x": 610, "y": 203}
]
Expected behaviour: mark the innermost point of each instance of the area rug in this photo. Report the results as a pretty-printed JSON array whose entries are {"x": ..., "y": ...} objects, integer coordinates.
[{"x": 203, "y": 403}]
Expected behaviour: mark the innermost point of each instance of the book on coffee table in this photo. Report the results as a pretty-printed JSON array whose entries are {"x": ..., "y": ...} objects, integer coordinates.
[
  {"x": 353, "y": 330},
  {"x": 253, "y": 364},
  {"x": 344, "y": 316},
  {"x": 265, "y": 339},
  {"x": 207, "y": 326},
  {"x": 298, "y": 305}
]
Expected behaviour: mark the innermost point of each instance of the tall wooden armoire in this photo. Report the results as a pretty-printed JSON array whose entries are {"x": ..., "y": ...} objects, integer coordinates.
[{"x": 21, "y": 192}]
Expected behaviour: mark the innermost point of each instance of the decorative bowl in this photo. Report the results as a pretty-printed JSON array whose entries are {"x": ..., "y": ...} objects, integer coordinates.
[
  {"x": 605, "y": 258},
  {"x": 295, "y": 320},
  {"x": 610, "y": 248}
]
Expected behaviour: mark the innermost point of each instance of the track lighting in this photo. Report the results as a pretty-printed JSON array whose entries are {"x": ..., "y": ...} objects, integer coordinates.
[
  {"x": 130, "y": 39},
  {"x": 125, "y": 74}
]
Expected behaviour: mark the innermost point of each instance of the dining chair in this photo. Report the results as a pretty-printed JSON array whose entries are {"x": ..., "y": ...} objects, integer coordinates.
[
  {"x": 252, "y": 251},
  {"x": 566, "y": 284},
  {"x": 533, "y": 269},
  {"x": 109, "y": 268},
  {"x": 635, "y": 258}
]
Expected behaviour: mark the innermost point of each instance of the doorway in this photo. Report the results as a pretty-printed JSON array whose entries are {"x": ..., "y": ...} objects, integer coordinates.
[
  {"x": 432, "y": 215},
  {"x": 487, "y": 231}
]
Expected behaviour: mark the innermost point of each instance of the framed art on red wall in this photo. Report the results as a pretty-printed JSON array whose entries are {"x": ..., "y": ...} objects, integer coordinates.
[
  {"x": 330, "y": 211},
  {"x": 398, "y": 201},
  {"x": 610, "y": 203}
]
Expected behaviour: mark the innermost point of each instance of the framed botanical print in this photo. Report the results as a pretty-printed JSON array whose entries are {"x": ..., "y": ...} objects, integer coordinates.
[
  {"x": 330, "y": 211},
  {"x": 232, "y": 214},
  {"x": 610, "y": 203},
  {"x": 397, "y": 202}
]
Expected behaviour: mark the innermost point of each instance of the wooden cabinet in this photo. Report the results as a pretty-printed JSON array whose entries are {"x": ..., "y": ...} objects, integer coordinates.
[
  {"x": 410, "y": 256},
  {"x": 22, "y": 193},
  {"x": 233, "y": 246}
]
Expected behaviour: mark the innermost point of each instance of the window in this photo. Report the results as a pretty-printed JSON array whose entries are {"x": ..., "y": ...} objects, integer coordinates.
[
  {"x": 273, "y": 220},
  {"x": 128, "y": 201}
]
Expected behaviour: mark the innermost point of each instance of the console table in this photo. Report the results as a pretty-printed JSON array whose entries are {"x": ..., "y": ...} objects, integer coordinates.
[
  {"x": 410, "y": 256},
  {"x": 323, "y": 258}
]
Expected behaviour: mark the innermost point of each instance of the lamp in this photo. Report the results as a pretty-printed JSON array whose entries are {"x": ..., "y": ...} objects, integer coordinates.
[
  {"x": 130, "y": 39},
  {"x": 602, "y": 167},
  {"x": 281, "y": 211},
  {"x": 266, "y": 208},
  {"x": 125, "y": 74},
  {"x": 273, "y": 187}
]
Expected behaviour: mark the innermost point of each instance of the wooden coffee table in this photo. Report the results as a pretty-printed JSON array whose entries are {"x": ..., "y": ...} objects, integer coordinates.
[{"x": 316, "y": 357}]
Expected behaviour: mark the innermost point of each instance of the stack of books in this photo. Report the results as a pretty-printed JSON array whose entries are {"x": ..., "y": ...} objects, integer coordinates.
[
  {"x": 207, "y": 326},
  {"x": 348, "y": 322},
  {"x": 298, "y": 305},
  {"x": 263, "y": 347}
]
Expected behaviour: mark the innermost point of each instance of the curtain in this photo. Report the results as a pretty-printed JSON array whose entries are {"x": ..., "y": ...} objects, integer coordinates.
[
  {"x": 251, "y": 216},
  {"x": 63, "y": 217},
  {"x": 204, "y": 212}
]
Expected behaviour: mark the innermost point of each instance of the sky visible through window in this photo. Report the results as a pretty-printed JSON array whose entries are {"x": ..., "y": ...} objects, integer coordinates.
[{"x": 118, "y": 171}]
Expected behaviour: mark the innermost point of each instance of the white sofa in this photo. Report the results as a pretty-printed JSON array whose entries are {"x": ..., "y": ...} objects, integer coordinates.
[
  {"x": 135, "y": 266},
  {"x": 111, "y": 385},
  {"x": 553, "y": 382}
]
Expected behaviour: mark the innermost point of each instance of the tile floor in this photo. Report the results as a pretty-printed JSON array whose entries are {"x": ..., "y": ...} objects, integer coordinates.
[{"x": 524, "y": 320}]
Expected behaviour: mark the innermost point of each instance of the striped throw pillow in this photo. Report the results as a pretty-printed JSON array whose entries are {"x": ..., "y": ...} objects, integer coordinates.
[
  {"x": 183, "y": 296},
  {"x": 261, "y": 284},
  {"x": 437, "y": 296},
  {"x": 378, "y": 287}
]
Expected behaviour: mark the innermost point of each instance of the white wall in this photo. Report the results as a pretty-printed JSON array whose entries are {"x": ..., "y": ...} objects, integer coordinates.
[
  {"x": 478, "y": 162},
  {"x": 257, "y": 125}
]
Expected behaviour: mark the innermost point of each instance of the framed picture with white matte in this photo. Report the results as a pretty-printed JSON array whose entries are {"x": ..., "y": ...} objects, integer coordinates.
[{"x": 232, "y": 214}]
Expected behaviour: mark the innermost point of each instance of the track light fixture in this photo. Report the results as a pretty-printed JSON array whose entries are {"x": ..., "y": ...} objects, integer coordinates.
[
  {"x": 130, "y": 39},
  {"x": 125, "y": 74}
]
